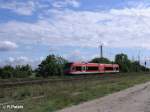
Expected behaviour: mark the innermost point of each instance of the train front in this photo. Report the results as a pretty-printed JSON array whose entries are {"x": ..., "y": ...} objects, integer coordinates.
[{"x": 67, "y": 68}]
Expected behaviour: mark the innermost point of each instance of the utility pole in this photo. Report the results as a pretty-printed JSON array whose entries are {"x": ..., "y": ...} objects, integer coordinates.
[{"x": 101, "y": 50}]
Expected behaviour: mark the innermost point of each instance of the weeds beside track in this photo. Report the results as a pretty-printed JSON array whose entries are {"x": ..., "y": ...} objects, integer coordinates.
[
  {"x": 21, "y": 82},
  {"x": 58, "y": 93}
]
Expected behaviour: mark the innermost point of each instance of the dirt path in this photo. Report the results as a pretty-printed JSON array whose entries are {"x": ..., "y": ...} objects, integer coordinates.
[{"x": 134, "y": 99}]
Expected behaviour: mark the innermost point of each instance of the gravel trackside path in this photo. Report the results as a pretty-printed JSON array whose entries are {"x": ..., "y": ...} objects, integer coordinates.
[{"x": 134, "y": 99}]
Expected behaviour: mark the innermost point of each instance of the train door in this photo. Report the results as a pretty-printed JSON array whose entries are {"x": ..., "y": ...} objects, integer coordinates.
[
  {"x": 114, "y": 69},
  {"x": 101, "y": 68},
  {"x": 83, "y": 68}
]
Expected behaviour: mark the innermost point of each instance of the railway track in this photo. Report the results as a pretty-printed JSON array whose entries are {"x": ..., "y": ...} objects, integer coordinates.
[{"x": 21, "y": 82}]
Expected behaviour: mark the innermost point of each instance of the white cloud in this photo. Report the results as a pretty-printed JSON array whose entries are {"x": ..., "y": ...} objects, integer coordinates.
[
  {"x": 128, "y": 27},
  {"x": 21, "y": 60},
  {"x": 23, "y": 8},
  {"x": 75, "y": 56},
  {"x": 7, "y": 45},
  {"x": 66, "y": 3}
]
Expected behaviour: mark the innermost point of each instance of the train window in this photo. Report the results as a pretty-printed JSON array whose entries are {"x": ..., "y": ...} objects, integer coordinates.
[
  {"x": 83, "y": 68},
  {"x": 92, "y": 68},
  {"x": 108, "y": 68},
  {"x": 73, "y": 68},
  {"x": 78, "y": 68}
]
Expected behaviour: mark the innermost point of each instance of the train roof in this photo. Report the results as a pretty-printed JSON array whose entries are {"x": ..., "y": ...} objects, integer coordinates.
[{"x": 82, "y": 63}]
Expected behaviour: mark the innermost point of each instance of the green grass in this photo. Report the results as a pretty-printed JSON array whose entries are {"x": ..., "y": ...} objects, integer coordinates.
[{"x": 53, "y": 96}]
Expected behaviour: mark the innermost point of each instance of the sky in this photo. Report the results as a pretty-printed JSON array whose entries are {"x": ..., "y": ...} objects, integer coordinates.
[{"x": 32, "y": 29}]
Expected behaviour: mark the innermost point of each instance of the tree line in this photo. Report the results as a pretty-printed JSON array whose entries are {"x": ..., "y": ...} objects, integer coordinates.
[
  {"x": 54, "y": 66},
  {"x": 125, "y": 64},
  {"x": 20, "y": 71}
]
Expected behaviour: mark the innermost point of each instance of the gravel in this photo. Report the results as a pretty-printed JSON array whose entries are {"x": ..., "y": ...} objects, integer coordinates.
[{"x": 134, "y": 99}]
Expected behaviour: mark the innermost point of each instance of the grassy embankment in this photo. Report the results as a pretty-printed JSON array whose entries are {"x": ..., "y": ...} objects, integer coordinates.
[{"x": 53, "y": 96}]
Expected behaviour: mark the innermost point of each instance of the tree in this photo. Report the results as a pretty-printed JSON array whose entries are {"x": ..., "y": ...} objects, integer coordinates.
[
  {"x": 22, "y": 71},
  {"x": 51, "y": 66},
  {"x": 100, "y": 60},
  {"x": 136, "y": 66},
  {"x": 0, "y": 72},
  {"x": 7, "y": 71},
  {"x": 61, "y": 64},
  {"x": 124, "y": 62}
]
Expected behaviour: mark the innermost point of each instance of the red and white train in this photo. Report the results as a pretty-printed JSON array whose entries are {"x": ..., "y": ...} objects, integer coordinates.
[{"x": 90, "y": 68}]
